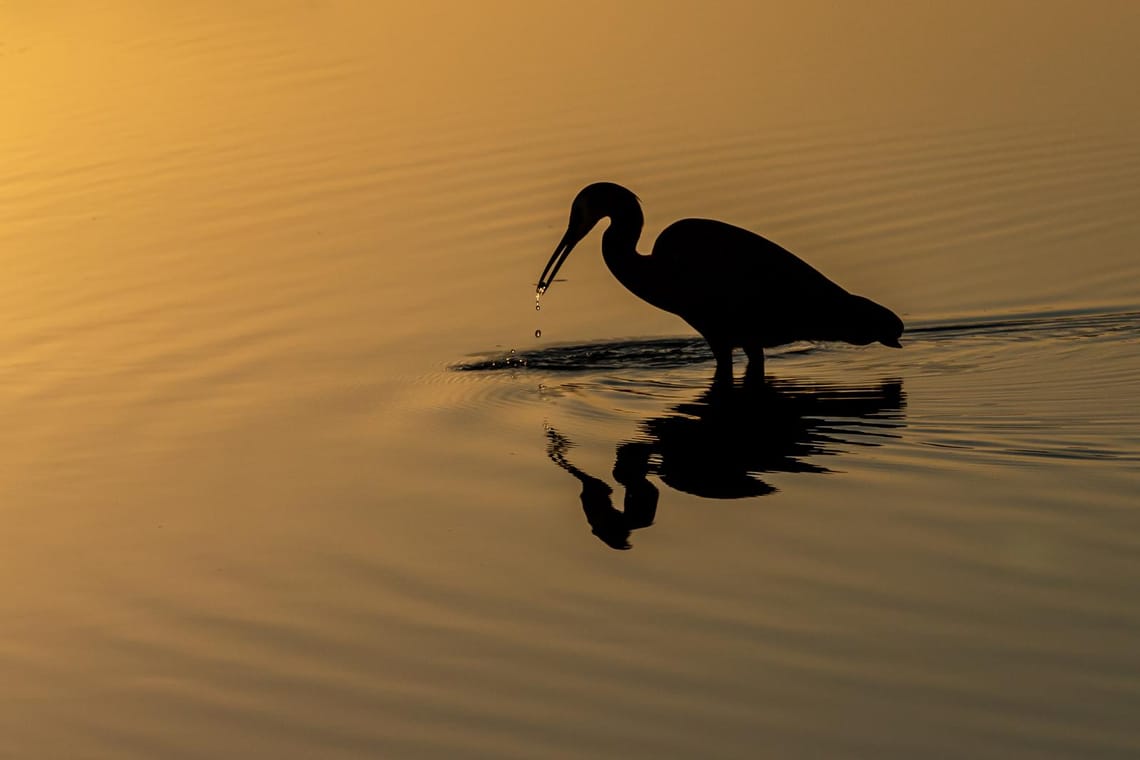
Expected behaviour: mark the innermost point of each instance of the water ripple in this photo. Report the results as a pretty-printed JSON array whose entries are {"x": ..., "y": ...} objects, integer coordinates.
[{"x": 673, "y": 352}]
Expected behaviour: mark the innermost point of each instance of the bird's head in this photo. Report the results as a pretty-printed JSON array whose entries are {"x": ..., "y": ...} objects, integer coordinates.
[
  {"x": 869, "y": 322},
  {"x": 592, "y": 204}
]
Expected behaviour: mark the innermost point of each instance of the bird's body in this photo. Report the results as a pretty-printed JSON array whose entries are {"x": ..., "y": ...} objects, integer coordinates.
[{"x": 736, "y": 288}]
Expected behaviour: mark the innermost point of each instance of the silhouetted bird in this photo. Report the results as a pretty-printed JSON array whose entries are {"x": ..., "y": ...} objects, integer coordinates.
[{"x": 736, "y": 288}]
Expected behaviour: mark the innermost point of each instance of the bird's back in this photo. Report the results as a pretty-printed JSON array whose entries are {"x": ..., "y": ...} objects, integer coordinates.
[{"x": 729, "y": 281}]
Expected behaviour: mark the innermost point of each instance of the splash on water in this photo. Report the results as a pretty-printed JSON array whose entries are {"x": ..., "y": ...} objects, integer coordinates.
[{"x": 640, "y": 354}]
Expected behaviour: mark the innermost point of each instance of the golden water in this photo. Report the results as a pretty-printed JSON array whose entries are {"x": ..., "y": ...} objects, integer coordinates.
[{"x": 262, "y": 497}]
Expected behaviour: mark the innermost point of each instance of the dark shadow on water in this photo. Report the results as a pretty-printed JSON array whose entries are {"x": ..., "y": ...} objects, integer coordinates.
[
  {"x": 651, "y": 353},
  {"x": 718, "y": 444}
]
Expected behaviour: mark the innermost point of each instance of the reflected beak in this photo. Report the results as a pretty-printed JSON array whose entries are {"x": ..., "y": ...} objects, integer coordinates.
[
  {"x": 569, "y": 240},
  {"x": 892, "y": 342}
]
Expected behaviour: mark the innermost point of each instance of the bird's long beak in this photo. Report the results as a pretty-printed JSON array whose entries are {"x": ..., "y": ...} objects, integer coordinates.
[{"x": 556, "y": 260}]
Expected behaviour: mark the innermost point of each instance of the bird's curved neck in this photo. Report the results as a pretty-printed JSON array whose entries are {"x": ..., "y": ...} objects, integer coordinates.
[{"x": 619, "y": 244}]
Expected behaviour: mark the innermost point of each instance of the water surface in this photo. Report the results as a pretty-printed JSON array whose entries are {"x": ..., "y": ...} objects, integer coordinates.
[{"x": 287, "y": 474}]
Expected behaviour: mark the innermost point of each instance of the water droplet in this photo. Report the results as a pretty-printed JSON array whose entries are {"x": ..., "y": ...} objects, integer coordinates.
[
  {"x": 538, "y": 307},
  {"x": 538, "y": 333}
]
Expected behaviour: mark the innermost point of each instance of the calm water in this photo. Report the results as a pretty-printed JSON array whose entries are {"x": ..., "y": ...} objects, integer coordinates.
[{"x": 286, "y": 473}]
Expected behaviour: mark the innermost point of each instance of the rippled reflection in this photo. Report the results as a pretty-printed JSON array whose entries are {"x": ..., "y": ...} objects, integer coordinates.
[{"x": 716, "y": 445}]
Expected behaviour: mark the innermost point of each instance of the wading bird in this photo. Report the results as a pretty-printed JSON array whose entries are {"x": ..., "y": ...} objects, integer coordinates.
[{"x": 736, "y": 288}]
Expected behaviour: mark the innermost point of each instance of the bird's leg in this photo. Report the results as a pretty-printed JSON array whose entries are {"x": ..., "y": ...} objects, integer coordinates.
[
  {"x": 754, "y": 374},
  {"x": 723, "y": 356}
]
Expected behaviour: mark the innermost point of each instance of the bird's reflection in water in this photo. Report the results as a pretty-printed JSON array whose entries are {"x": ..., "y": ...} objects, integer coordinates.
[
  {"x": 613, "y": 526},
  {"x": 716, "y": 445}
]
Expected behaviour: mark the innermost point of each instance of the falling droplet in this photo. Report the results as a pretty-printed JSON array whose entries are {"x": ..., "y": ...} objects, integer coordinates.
[{"x": 538, "y": 306}]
